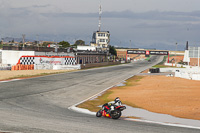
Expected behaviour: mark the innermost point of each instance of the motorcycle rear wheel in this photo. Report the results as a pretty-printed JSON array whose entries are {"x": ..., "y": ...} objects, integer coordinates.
[{"x": 116, "y": 114}]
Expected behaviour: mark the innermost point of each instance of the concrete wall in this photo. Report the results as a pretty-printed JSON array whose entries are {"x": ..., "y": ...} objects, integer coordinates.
[
  {"x": 66, "y": 67},
  {"x": 192, "y": 73},
  {"x": 12, "y": 57},
  {"x": 56, "y": 67}
]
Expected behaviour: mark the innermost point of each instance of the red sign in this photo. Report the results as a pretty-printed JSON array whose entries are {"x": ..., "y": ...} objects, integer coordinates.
[{"x": 147, "y": 53}]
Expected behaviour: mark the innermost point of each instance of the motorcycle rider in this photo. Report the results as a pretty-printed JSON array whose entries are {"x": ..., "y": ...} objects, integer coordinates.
[{"x": 111, "y": 105}]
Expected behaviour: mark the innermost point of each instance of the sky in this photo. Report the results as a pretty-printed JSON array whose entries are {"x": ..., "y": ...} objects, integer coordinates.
[{"x": 156, "y": 24}]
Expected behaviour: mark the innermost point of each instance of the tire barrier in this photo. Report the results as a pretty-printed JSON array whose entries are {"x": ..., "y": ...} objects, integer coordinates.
[
  {"x": 22, "y": 67},
  {"x": 154, "y": 70}
]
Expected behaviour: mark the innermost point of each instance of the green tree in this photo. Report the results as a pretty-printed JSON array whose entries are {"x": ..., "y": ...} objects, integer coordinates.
[
  {"x": 64, "y": 44},
  {"x": 45, "y": 44},
  {"x": 80, "y": 42},
  {"x": 112, "y": 50}
]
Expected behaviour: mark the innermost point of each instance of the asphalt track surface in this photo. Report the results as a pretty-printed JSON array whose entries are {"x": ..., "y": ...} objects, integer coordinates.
[{"x": 40, "y": 105}]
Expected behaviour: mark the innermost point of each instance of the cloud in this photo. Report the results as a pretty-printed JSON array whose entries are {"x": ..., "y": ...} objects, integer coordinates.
[
  {"x": 41, "y": 6},
  {"x": 151, "y": 15},
  {"x": 148, "y": 29}
]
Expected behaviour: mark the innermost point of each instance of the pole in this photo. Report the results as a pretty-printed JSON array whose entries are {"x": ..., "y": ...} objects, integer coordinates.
[
  {"x": 100, "y": 12},
  {"x": 23, "y": 39},
  {"x": 198, "y": 56},
  {"x": 175, "y": 56},
  {"x": 168, "y": 56},
  {"x": 126, "y": 55}
]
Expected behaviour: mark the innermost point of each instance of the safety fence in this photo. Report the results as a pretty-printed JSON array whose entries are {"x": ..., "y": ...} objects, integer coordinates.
[
  {"x": 5, "y": 67},
  {"x": 22, "y": 67}
]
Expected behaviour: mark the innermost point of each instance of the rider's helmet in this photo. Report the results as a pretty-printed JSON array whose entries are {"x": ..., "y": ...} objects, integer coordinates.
[{"x": 117, "y": 99}]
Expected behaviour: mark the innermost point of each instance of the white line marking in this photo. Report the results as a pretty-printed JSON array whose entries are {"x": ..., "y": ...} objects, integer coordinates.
[{"x": 9, "y": 80}]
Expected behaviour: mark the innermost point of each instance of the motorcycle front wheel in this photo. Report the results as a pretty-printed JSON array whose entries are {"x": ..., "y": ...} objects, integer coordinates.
[
  {"x": 98, "y": 114},
  {"x": 116, "y": 114}
]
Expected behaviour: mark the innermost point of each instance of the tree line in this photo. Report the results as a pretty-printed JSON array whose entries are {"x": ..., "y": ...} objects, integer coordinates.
[{"x": 65, "y": 44}]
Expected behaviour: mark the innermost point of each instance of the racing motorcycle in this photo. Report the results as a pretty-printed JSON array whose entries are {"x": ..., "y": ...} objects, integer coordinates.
[{"x": 114, "y": 114}]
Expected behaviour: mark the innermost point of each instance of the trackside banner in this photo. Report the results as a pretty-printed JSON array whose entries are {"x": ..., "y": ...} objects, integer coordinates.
[
  {"x": 39, "y": 60},
  {"x": 55, "y": 61},
  {"x": 147, "y": 52},
  {"x": 136, "y": 51},
  {"x": 158, "y": 52}
]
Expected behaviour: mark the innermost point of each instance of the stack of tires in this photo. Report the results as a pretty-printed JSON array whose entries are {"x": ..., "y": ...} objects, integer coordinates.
[{"x": 154, "y": 70}]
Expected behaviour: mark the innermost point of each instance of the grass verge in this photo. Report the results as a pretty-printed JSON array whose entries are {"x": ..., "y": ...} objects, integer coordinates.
[
  {"x": 34, "y": 75},
  {"x": 148, "y": 58}
]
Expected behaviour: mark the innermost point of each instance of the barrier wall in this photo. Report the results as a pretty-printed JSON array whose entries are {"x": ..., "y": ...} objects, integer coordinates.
[
  {"x": 45, "y": 62},
  {"x": 11, "y": 57},
  {"x": 54, "y": 60},
  {"x": 66, "y": 67},
  {"x": 43, "y": 67},
  {"x": 192, "y": 73}
]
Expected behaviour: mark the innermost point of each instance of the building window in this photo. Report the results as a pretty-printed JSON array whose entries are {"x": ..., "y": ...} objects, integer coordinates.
[
  {"x": 101, "y": 34},
  {"x": 102, "y": 40}
]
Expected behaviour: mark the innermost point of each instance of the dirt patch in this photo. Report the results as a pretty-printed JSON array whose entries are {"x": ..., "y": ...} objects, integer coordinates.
[
  {"x": 145, "y": 71},
  {"x": 161, "y": 94},
  {"x": 7, "y": 74}
]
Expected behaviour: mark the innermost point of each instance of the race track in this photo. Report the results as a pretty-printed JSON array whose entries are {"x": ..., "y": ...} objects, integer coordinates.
[{"x": 40, "y": 105}]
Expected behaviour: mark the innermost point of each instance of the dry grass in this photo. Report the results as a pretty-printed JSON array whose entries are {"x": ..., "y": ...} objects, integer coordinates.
[{"x": 7, "y": 74}]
